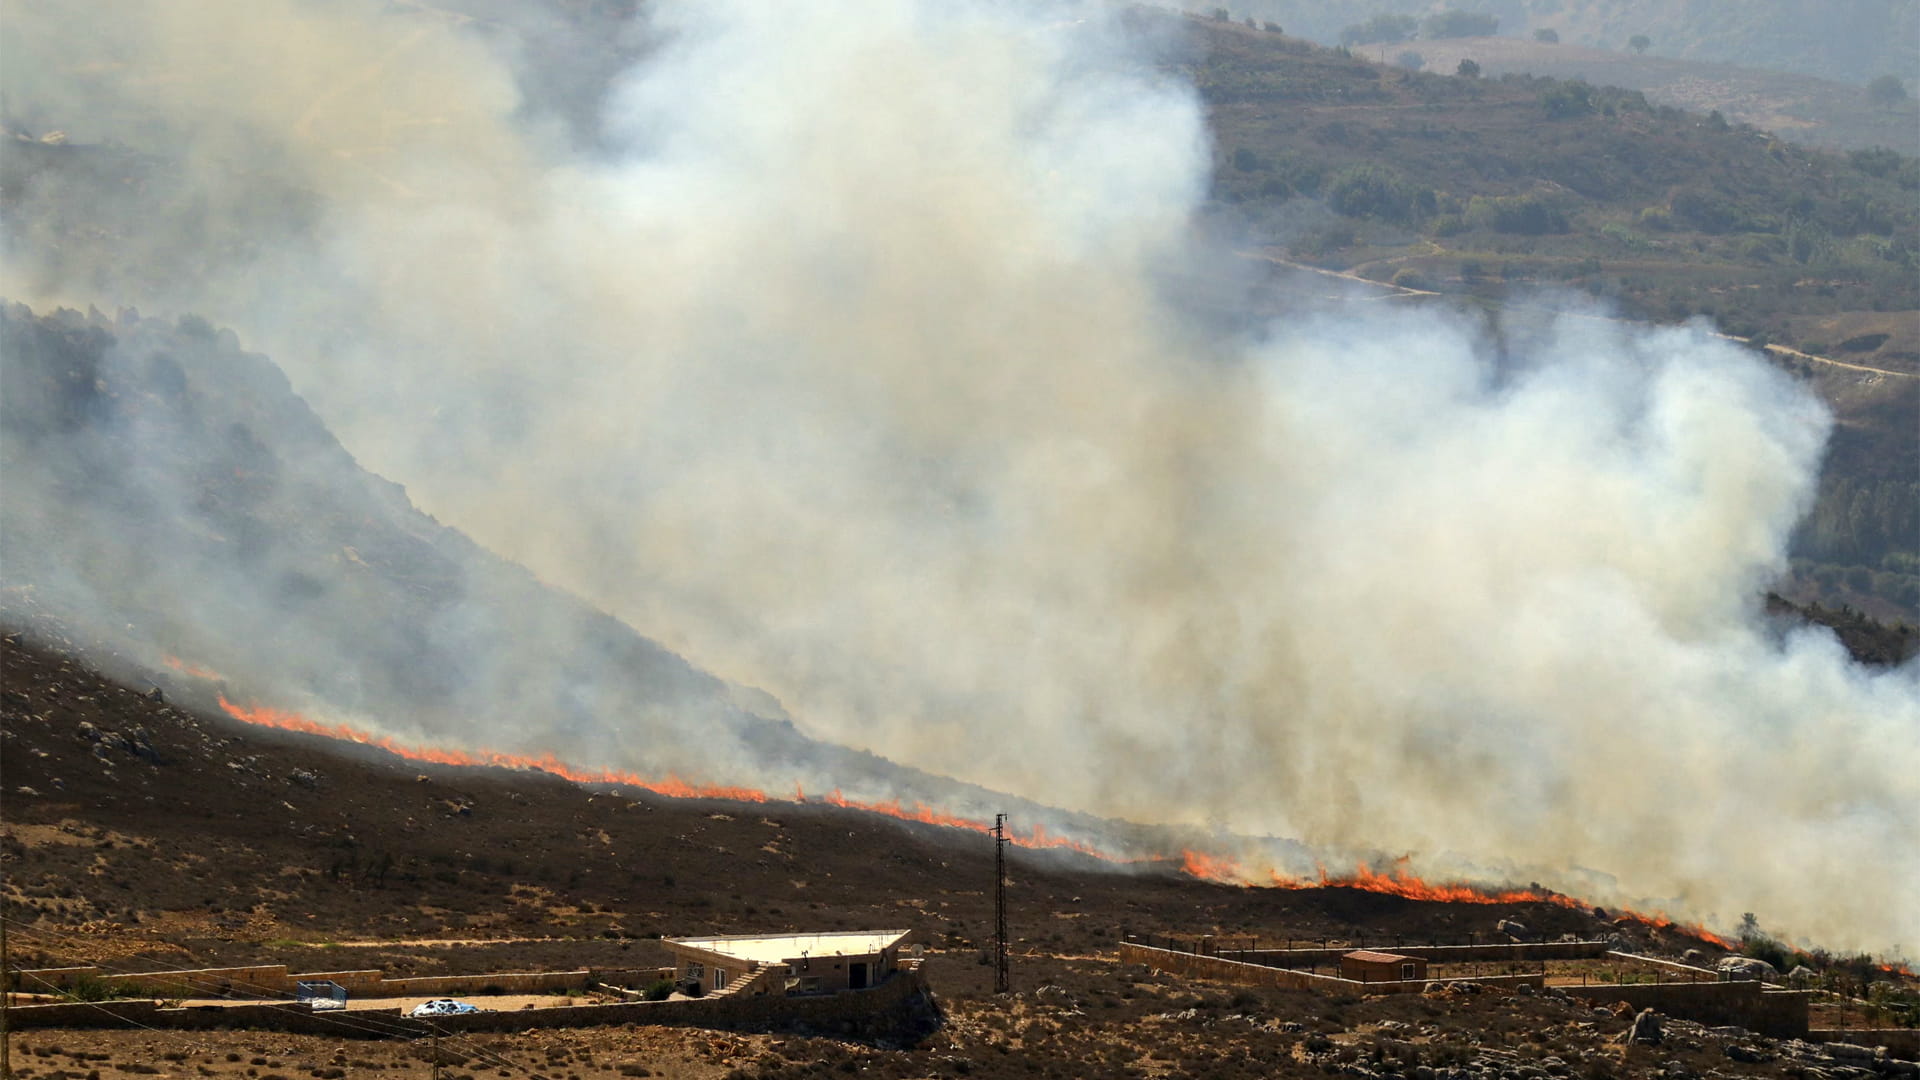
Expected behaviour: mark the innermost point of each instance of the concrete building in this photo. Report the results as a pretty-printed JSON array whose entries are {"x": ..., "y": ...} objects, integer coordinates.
[
  {"x": 1363, "y": 965},
  {"x": 789, "y": 963}
]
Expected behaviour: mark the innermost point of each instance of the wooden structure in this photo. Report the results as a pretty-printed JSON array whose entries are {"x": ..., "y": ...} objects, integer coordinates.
[{"x": 1363, "y": 965}]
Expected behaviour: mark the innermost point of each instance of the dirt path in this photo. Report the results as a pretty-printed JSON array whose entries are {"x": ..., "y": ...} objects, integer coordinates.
[{"x": 1390, "y": 291}]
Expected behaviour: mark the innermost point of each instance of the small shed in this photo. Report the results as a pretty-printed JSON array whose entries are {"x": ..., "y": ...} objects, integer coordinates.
[
  {"x": 789, "y": 963},
  {"x": 1363, "y": 965}
]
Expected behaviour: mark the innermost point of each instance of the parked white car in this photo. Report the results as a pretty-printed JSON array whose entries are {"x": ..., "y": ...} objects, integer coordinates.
[{"x": 444, "y": 1007}]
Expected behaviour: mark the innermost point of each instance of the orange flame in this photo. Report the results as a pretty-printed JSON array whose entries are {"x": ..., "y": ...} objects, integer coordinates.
[
  {"x": 1221, "y": 869},
  {"x": 1216, "y": 868},
  {"x": 185, "y": 668}
]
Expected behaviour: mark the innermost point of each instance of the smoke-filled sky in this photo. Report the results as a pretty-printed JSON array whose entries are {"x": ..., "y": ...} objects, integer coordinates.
[{"x": 836, "y": 351}]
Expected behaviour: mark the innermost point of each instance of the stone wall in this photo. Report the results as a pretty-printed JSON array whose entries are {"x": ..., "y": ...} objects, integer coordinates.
[
  {"x": 1436, "y": 954},
  {"x": 881, "y": 1008},
  {"x": 1779, "y": 1013},
  {"x": 1900, "y": 1042},
  {"x": 1224, "y": 969},
  {"x": 274, "y": 981}
]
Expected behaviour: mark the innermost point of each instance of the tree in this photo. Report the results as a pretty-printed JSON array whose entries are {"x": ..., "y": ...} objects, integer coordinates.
[
  {"x": 1385, "y": 28},
  {"x": 1639, "y": 43},
  {"x": 1459, "y": 24},
  {"x": 1887, "y": 91},
  {"x": 1467, "y": 69},
  {"x": 1547, "y": 35},
  {"x": 1410, "y": 60},
  {"x": 1567, "y": 100}
]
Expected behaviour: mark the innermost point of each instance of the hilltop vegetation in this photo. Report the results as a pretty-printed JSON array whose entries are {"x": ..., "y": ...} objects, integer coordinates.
[
  {"x": 1494, "y": 189},
  {"x": 1851, "y": 42}
]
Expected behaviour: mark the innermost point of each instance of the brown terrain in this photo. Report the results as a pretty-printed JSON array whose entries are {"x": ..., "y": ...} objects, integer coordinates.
[
  {"x": 1805, "y": 109},
  {"x": 142, "y": 836}
]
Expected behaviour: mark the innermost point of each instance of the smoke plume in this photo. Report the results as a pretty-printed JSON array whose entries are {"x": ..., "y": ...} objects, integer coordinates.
[{"x": 842, "y": 349}]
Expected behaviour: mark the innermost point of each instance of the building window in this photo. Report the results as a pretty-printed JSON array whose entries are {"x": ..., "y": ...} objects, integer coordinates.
[
  {"x": 719, "y": 977},
  {"x": 1406, "y": 971},
  {"x": 695, "y": 969}
]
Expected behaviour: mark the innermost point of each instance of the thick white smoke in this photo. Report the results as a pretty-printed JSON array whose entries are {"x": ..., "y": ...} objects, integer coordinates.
[{"x": 844, "y": 363}]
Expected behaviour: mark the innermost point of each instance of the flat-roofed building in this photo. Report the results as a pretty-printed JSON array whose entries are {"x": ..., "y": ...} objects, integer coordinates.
[{"x": 807, "y": 963}]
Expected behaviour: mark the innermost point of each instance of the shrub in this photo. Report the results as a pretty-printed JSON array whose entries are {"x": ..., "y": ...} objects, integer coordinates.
[
  {"x": 1525, "y": 215},
  {"x": 659, "y": 991},
  {"x": 1378, "y": 191},
  {"x": 1567, "y": 100},
  {"x": 1459, "y": 24}
]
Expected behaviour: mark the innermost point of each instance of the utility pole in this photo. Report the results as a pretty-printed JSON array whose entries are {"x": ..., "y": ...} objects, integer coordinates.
[
  {"x": 1001, "y": 984},
  {"x": 435, "y": 1028},
  {"x": 6, "y": 1002}
]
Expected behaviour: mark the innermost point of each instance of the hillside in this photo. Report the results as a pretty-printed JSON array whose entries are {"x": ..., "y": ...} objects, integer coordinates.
[
  {"x": 1847, "y": 42},
  {"x": 1797, "y": 107},
  {"x": 1505, "y": 191},
  {"x": 177, "y": 514},
  {"x": 283, "y": 849}
]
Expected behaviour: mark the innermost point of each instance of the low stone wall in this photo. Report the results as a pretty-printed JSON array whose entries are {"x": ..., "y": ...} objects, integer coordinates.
[
  {"x": 1900, "y": 1042},
  {"x": 264, "y": 980},
  {"x": 872, "y": 1010},
  {"x": 1242, "y": 973},
  {"x": 274, "y": 981},
  {"x": 1437, "y": 954},
  {"x": 1779, "y": 1013},
  {"x": 263, "y": 1016}
]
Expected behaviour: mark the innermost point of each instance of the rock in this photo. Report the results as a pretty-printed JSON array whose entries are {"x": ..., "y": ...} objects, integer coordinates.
[
  {"x": 1802, "y": 975},
  {"x": 1694, "y": 957},
  {"x": 1513, "y": 929},
  {"x": 1850, "y": 1052},
  {"x": 1744, "y": 1053},
  {"x": 1646, "y": 1028},
  {"x": 304, "y": 777},
  {"x": 1746, "y": 967},
  {"x": 1523, "y": 989}
]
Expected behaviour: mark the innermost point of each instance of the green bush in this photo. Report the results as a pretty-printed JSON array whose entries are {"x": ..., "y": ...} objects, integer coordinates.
[
  {"x": 1524, "y": 215},
  {"x": 1378, "y": 191},
  {"x": 659, "y": 991}
]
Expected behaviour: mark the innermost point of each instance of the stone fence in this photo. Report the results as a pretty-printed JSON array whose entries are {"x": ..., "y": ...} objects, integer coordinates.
[
  {"x": 1900, "y": 1042},
  {"x": 1436, "y": 954},
  {"x": 878, "y": 1009},
  {"x": 1745, "y": 1003},
  {"x": 274, "y": 981},
  {"x": 1245, "y": 973}
]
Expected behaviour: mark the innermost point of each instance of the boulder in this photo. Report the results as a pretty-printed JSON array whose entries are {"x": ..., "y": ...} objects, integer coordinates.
[
  {"x": 1513, "y": 929},
  {"x": 1743, "y": 1053},
  {"x": 1646, "y": 1028},
  {"x": 1746, "y": 967}
]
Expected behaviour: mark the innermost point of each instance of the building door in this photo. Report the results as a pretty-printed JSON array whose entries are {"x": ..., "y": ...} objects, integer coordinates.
[{"x": 856, "y": 976}]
